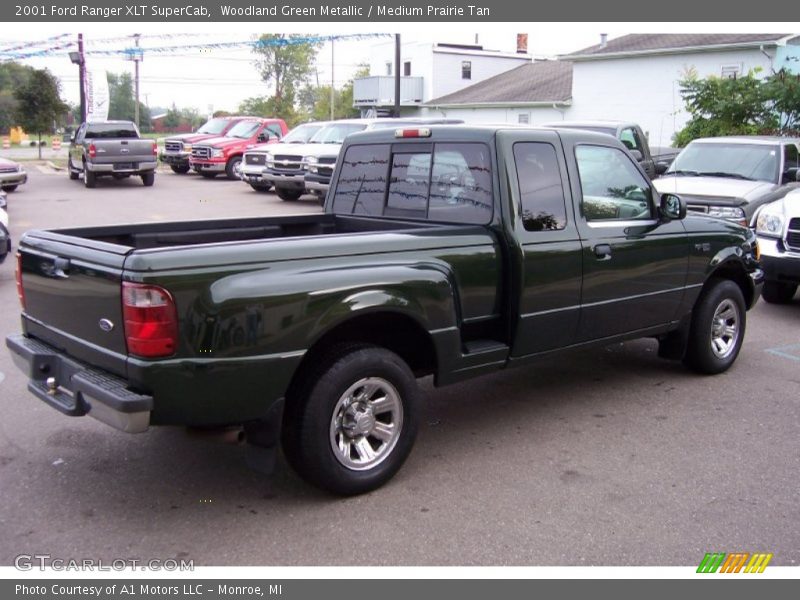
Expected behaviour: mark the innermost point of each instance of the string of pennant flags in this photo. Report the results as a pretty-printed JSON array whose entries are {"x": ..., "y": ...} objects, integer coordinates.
[{"x": 31, "y": 51}]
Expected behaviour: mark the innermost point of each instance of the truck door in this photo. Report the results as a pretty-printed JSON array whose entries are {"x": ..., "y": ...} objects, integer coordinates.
[
  {"x": 634, "y": 264},
  {"x": 546, "y": 261}
]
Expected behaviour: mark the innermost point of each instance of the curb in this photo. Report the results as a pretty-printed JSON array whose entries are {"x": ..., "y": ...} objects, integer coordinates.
[{"x": 55, "y": 167}]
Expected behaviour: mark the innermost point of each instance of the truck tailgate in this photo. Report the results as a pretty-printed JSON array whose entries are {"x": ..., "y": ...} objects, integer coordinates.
[
  {"x": 72, "y": 296},
  {"x": 123, "y": 151}
]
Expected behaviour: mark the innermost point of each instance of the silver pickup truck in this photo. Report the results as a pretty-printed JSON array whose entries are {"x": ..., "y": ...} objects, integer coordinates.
[{"x": 112, "y": 148}]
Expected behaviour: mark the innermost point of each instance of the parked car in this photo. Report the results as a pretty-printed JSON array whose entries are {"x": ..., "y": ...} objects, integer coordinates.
[
  {"x": 178, "y": 148},
  {"x": 731, "y": 177},
  {"x": 444, "y": 251},
  {"x": 5, "y": 235},
  {"x": 111, "y": 148},
  {"x": 224, "y": 154},
  {"x": 778, "y": 231},
  {"x": 322, "y": 153},
  {"x": 12, "y": 175},
  {"x": 252, "y": 169},
  {"x": 630, "y": 134}
]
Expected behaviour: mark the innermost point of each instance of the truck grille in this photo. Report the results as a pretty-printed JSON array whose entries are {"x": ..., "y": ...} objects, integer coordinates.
[
  {"x": 8, "y": 169},
  {"x": 287, "y": 162},
  {"x": 173, "y": 146},
  {"x": 201, "y": 152},
  {"x": 255, "y": 158},
  {"x": 793, "y": 235}
]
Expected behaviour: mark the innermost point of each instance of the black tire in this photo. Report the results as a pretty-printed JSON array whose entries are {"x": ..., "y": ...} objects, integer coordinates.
[
  {"x": 261, "y": 188},
  {"x": 288, "y": 195},
  {"x": 778, "y": 292},
  {"x": 73, "y": 173},
  {"x": 320, "y": 450},
  {"x": 148, "y": 178},
  {"x": 208, "y": 174},
  {"x": 89, "y": 178},
  {"x": 717, "y": 329},
  {"x": 9, "y": 188},
  {"x": 180, "y": 170},
  {"x": 230, "y": 167}
]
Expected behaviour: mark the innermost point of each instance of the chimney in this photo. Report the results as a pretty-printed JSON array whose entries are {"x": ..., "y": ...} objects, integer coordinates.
[
  {"x": 603, "y": 40},
  {"x": 522, "y": 43}
]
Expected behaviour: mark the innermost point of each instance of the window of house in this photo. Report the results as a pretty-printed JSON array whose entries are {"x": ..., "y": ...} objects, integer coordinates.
[
  {"x": 388, "y": 68},
  {"x": 524, "y": 118},
  {"x": 407, "y": 69},
  {"x": 541, "y": 191},
  {"x": 466, "y": 69},
  {"x": 731, "y": 71}
]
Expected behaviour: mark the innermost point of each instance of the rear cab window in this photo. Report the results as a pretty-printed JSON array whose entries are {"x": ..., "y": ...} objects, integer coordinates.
[{"x": 450, "y": 182}]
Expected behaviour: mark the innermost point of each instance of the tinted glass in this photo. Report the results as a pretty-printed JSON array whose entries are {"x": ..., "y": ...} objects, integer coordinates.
[
  {"x": 791, "y": 158},
  {"x": 362, "y": 181},
  {"x": 461, "y": 184},
  {"x": 611, "y": 186},
  {"x": 110, "y": 130},
  {"x": 540, "y": 187},
  {"x": 301, "y": 133},
  {"x": 408, "y": 185},
  {"x": 335, "y": 134},
  {"x": 214, "y": 126},
  {"x": 244, "y": 129}
]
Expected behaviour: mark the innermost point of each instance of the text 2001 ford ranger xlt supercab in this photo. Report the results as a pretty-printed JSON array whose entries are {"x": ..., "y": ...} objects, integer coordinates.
[{"x": 450, "y": 250}]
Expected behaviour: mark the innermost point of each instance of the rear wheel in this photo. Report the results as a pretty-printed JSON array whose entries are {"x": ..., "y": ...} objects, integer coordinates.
[
  {"x": 9, "y": 188},
  {"x": 89, "y": 178},
  {"x": 232, "y": 167},
  {"x": 180, "y": 169},
  {"x": 288, "y": 195},
  {"x": 778, "y": 292},
  {"x": 351, "y": 423},
  {"x": 717, "y": 329},
  {"x": 148, "y": 178},
  {"x": 72, "y": 171}
]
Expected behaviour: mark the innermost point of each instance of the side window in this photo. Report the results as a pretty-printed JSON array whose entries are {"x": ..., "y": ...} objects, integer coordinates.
[
  {"x": 362, "y": 181},
  {"x": 275, "y": 130},
  {"x": 540, "y": 187},
  {"x": 461, "y": 184},
  {"x": 791, "y": 157},
  {"x": 630, "y": 138},
  {"x": 611, "y": 186}
]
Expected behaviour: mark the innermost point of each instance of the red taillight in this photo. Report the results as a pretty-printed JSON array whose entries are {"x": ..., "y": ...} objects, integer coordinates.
[
  {"x": 92, "y": 151},
  {"x": 155, "y": 149},
  {"x": 151, "y": 321},
  {"x": 18, "y": 278}
]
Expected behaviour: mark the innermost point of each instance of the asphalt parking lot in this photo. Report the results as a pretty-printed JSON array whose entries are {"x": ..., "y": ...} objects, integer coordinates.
[{"x": 609, "y": 457}]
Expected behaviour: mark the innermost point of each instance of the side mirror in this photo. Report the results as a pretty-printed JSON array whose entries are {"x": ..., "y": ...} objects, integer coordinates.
[
  {"x": 637, "y": 155},
  {"x": 263, "y": 137},
  {"x": 672, "y": 207},
  {"x": 791, "y": 174},
  {"x": 661, "y": 168}
]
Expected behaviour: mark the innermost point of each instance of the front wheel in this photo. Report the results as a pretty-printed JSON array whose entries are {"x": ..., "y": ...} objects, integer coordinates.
[
  {"x": 261, "y": 187},
  {"x": 9, "y": 188},
  {"x": 717, "y": 329},
  {"x": 179, "y": 169},
  {"x": 208, "y": 174},
  {"x": 778, "y": 292},
  {"x": 288, "y": 195},
  {"x": 232, "y": 167},
  {"x": 351, "y": 424}
]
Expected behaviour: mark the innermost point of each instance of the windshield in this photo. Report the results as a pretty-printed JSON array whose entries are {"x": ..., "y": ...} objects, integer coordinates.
[
  {"x": 335, "y": 134},
  {"x": 597, "y": 129},
  {"x": 758, "y": 162},
  {"x": 96, "y": 131},
  {"x": 301, "y": 134},
  {"x": 214, "y": 126},
  {"x": 244, "y": 130}
]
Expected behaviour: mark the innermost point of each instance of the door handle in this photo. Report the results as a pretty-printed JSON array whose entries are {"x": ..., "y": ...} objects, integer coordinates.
[{"x": 602, "y": 251}]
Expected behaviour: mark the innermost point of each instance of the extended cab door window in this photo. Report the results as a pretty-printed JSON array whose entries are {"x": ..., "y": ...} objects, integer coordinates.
[{"x": 540, "y": 188}]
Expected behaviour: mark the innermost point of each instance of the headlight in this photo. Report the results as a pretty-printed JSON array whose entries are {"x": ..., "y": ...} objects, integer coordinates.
[
  {"x": 217, "y": 153},
  {"x": 770, "y": 224},
  {"x": 731, "y": 213},
  {"x": 309, "y": 161}
]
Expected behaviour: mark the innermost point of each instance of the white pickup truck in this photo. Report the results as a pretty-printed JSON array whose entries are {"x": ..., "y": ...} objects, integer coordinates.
[{"x": 778, "y": 231}]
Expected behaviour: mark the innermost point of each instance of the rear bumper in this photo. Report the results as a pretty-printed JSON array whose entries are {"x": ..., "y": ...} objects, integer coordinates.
[
  {"x": 76, "y": 389},
  {"x": 140, "y": 166}
]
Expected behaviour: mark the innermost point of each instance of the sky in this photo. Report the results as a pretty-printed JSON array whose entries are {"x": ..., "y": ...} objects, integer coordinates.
[{"x": 218, "y": 79}]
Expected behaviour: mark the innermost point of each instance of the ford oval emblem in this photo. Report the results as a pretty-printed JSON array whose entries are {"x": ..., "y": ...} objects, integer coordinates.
[{"x": 106, "y": 325}]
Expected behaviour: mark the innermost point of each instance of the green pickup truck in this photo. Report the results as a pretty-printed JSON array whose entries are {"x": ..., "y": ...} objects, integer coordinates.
[{"x": 449, "y": 251}]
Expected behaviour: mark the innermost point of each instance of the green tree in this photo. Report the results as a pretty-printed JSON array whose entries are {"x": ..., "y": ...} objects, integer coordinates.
[
  {"x": 783, "y": 90},
  {"x": 12, "y": 76},
  {"x": 172, "y": 119},
  {"x": 272, "y": 106},
  {"x": 285, "y": 61},
  {"x": 316, "y": 101},
  {"x": 122, "y": 100},
  {"x": 39, "y": 104}
]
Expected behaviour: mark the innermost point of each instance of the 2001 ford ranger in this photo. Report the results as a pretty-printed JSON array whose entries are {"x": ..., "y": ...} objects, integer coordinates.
[{"x": 449, "y": 250}]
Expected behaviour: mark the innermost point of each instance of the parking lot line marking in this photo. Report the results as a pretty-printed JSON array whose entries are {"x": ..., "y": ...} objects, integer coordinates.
[{"x": 786, "y": 352}]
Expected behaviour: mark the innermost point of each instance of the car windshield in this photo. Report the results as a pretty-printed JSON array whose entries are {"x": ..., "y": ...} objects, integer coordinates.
[
  {"x": 96, "y": 131},
  {"x": 244, "y": 130},
  {"x": 335, "y": 134},
  {"x": 757, "y": 162},
  {"x": 214, "y": 126},
  {"x": 301, "y": 134}
]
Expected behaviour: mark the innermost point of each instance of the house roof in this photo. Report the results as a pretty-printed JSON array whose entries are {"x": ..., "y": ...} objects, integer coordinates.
[
  {"x": 673, "y": 43},
  {"x": 539, "y": 82}
]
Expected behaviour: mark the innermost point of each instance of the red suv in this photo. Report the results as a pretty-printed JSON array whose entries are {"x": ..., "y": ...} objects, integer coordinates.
[{"x": 223, "y": 154}]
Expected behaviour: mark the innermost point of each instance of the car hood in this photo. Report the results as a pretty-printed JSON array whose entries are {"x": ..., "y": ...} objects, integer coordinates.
[
  {"x": 224, "y": 142},
  {"x": 714, "y": 187},
  {"x": 6, "y": 163},
  {"x": 190, "y": 137},
  {"x": 323, "y": 149}
]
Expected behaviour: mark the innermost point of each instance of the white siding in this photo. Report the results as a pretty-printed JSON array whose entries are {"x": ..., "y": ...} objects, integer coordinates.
[
  {"x": 447, "y": 70},
  {"x": 495, "y": 116},
  {"x": 646, "y": 90}
]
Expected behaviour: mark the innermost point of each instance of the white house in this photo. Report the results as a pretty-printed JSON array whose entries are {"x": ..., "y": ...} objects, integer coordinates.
[
  {"x": 631, "y": 78},
  {"x": 428, "y": 70}
]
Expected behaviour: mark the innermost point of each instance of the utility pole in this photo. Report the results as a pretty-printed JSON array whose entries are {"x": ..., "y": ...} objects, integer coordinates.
[
  {"x": 396, "y": 112},
  {"x": 332, "y": 90},
  {"x": 136, "y": 58},
  {"x": 82, "y": 77}
]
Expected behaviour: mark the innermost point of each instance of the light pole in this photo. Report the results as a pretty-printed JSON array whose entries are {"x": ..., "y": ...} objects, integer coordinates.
[
  {"x": 78, "y": 58},
  {"x": 136, "y": 56}
]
